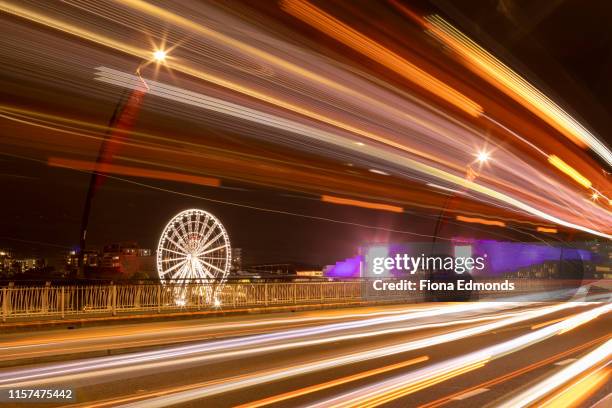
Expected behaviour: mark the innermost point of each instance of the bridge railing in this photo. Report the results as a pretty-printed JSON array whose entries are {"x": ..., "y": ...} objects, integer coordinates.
[
  {"x": 21, "y": 302},
  {"x": 61, "y": 301}
]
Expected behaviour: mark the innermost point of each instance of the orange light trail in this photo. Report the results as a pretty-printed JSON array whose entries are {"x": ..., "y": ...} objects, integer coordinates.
[
  {"x": 412, "y": 388},
  {"x": 330, "y": 384},
  {"x": 362, "y": 204},
  {"x": 481, "y": 221},
  {"x": 107, "y": 168},
  {"x": 547, "y": 230},
  {"x": 575, "y": 393},
  {"x": 569, "y": 170},
  {"x": 513, "y": 374},
  {"x": 512, "y": 84},
  {"x": 370, "y": 48}
]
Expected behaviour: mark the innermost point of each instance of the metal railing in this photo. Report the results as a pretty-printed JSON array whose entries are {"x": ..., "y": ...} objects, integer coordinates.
[
  {"x": 62, "y": 301},
  {"x": 22, "y": 302}
]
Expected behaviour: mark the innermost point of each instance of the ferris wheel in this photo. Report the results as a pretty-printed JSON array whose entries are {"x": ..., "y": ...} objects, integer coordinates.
[{"x": 194, "y": 248}]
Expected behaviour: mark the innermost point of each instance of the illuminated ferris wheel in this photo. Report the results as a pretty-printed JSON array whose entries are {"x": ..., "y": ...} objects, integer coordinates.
[{"x": 193, "y": 248}]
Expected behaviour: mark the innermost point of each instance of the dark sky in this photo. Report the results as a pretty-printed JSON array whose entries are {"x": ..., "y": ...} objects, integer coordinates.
[{"x": 565, "y": 44}]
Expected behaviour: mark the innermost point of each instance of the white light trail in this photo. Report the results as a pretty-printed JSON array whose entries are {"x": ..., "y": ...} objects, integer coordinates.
[
  {"x": 262, "y": 378},
  {"x": 119, "y": 78},
  {"x": 402, "y": 385}
]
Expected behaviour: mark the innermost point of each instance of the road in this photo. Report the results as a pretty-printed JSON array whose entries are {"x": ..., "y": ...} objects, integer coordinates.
[{"x": 442, "y": 354}]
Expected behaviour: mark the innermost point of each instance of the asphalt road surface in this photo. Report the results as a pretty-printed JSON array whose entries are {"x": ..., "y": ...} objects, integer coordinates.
[{"x": 434, "y": 354}]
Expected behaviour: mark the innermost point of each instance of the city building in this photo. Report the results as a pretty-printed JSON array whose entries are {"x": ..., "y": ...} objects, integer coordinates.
[
  {"x": 6, "y": 261},
  {"x": 127, "y": 258},
  {"x": 236, "y": 260}
]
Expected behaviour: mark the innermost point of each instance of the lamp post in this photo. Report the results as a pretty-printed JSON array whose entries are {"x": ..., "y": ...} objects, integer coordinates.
[{"x": 121, "y": 122}]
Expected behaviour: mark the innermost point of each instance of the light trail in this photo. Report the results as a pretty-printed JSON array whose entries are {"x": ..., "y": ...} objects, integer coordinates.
[
  {"x": 570, "y": 171},
  {"x": 424, "y": 122},
  {"x": 342, "y": 32},
  {"x": 265, "y": 377},
  {"x": 403, "y": 385},
  {"x": 332, "y": 383},
  {"x": 498, "y": 74},
  {"x": 227, "y": 348},
  {"x": 531, "y": 395},
  {"x": 362, "y": 204},
  {"x": 109, "y": 168},
  {"x": 138, "y": 331},
  {"x": 483, "y": 221},
  {"x": 487, "y": 384},
  {"x": 578, "y": 391},
  {"x": 188, "y": 97}
]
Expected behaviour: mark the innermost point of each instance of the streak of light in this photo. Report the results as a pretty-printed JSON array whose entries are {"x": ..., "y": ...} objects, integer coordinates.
[
  {"x": 569, "y": 170},
  {"x": 195, "y": 99},
  {"x": 578, "y": 391},
  {"x": 376, "y": 171},
  {"x": 538, "y": 391},
  {"x": 547, "y": 323},
  {"x": 501, "y": 76},
  {"x": 73, "y": 30},
  {"x": 269, "y": 376},
  {"x": 375, "y": 51},
  {"x": 513, "y": 374},
  {"x": 204, "y": 75},
  {"x": 362, "y": 204},
  {"x": 208, "y": 76},
  {"x": 395, "y": 387},
  {"x": 483, "y": 221},
  {"x": 547, "y": 230},
  {"x": 332, "y": 383},
  {"x": 285, "y": 322},
  {"x": 226, "y": 348},
  {"x": 109, "y": 168},
  {"x": 411, "y": 388},
  {"x": 446, "y": 188}
]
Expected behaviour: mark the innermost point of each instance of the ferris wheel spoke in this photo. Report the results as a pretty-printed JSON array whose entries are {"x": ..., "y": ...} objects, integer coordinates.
[
  {"x": 202, "y": 225},
  {"x": 212, "y": 241},
  {"x": 212, "y": 250},
  {"x": 179, "y": 246},
  {"x": 173, "y": 251},
  {"x": 180, "y": 273},
  {"x": 204, "y": 270},
  {"x": 212, "y": 266},
  {"x": 184, "y": 234},
  {"x": 176, "y": 232},
  {"x": 187, "y": 272},
  {"x": 174, "y": 259},
  {"x": 173, "y": 267},
  {"x": 204, "y": 239}
]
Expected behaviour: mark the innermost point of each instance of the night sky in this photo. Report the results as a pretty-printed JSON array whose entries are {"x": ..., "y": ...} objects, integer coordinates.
[{"x": 566, "y": 46}]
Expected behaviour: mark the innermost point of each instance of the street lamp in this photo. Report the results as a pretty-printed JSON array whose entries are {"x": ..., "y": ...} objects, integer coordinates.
[
  {"x": 120, "y": 123},
  {"x": 159, "y": 55},
  {"x": 483, "y": 156}
]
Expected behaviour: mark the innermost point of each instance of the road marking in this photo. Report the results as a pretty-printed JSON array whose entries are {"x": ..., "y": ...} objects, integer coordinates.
[
  {"x": 470, "y": 394},
  {"x": 565, "y": 362}
]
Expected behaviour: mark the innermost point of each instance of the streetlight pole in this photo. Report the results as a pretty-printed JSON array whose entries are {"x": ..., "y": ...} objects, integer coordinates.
[{"x": 121, "y": 122}]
